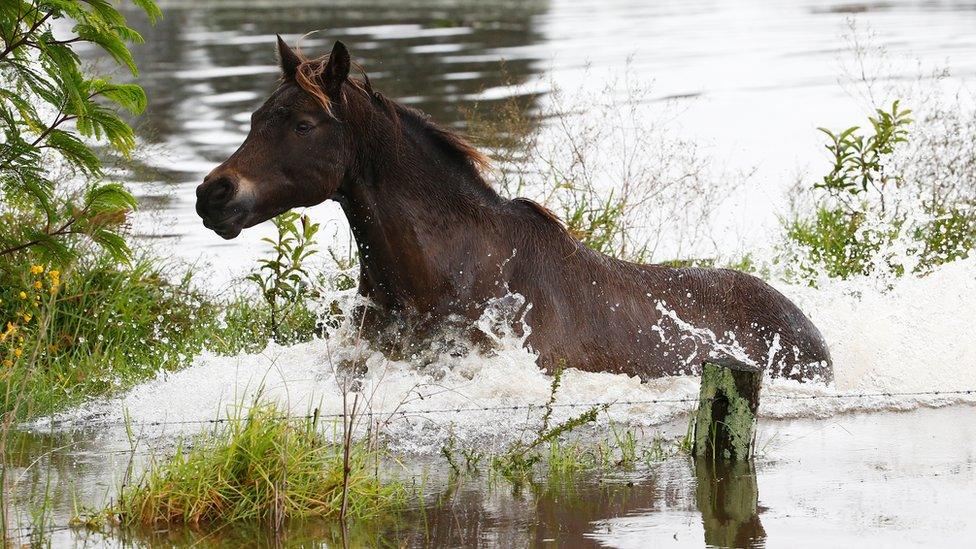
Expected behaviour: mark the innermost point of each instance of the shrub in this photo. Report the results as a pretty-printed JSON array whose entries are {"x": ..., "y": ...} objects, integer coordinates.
[{"x": 872, "y": 214}]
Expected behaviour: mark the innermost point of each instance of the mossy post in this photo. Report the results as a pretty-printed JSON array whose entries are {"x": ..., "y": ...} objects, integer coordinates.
[{"x": 725, "y": 425}]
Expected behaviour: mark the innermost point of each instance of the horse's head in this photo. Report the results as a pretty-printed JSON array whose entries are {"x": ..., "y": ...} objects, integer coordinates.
[{"x": 296, "y": 153}]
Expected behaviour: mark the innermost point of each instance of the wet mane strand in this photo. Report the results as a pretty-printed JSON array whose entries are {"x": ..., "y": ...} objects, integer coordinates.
[{"x": 309, "y": 74}]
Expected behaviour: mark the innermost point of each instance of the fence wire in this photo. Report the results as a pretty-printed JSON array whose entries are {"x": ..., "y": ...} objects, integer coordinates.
[{"x": 390, "y": 414}]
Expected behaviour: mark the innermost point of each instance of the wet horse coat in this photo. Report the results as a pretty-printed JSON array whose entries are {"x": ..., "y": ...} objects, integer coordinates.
[{"x": 438, "y": 244}]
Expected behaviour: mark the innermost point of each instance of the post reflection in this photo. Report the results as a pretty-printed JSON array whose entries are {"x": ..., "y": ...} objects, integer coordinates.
[{"x": 728, "y": 498}]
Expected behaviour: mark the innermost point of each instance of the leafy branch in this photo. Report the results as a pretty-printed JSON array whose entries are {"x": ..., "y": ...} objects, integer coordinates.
[
  {"x": 282, "y": 279},
  {"x": 41, "y": 74},
  {"x": 857, "y": 158}
]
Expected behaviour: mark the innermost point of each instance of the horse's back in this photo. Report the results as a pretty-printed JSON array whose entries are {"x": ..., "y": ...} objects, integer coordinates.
[
  {"x": 597, "y": 313},
  {"x": 749, "y": 314}
]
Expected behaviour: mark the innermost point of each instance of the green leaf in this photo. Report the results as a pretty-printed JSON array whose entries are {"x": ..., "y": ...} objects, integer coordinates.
[
  {"x": 151, "y": 9},
  {"x": 128, "y": 96},
  {"x": 74, "y": 151}
]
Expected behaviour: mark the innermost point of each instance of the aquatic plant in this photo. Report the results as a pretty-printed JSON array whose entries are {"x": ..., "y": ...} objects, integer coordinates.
[
  {"x": 552, "y": 451},
  {"x": 262, "y": 465}
]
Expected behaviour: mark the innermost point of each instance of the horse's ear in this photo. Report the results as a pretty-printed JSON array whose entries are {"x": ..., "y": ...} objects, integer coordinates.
[
  {"x": 288, "y": 59},
  {"x": 336, "y": 71}
]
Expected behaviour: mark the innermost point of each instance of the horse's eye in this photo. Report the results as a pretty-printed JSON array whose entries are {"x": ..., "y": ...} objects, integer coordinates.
[{"x": 302, "y": 128}]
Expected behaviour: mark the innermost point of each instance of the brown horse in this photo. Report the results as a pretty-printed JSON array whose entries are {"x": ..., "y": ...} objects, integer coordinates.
[{"x": 438, "y": 245}]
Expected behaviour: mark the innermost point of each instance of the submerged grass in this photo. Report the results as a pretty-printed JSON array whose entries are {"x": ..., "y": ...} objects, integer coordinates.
[
  {"x": 262, "y": 466},
  {"x": 561, "y": 457}
]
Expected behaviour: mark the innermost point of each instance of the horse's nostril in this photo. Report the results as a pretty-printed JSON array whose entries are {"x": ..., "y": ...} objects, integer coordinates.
[
  {"x": 222, "y": 190},
  {"x": 217, "y": 192}
]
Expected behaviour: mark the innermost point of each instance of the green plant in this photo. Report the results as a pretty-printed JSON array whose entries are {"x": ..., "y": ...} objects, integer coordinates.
[
  {"x": 98, "y": 328},
  {"x": 626, "y": 443},
  {"x": 659, "y": 450},
  {"x": 833, "y": 240},
  {"x": 596, "y": 221},
  {"x": 949, "y": 234},
  {"x": 516, "y": 463},
  {"x": 55, "y": 207},
  {"x": 261, "y": 466},
  {"x": 48, "y": 108},
  {"x": 282, "y": 279},
  {"x": 866, "y": 216},
  {"x": 858, "y": 158},
  {"x": 343, "y": 280}
]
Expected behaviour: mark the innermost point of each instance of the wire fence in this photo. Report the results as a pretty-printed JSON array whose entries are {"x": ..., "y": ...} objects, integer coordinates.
[{"x": 405, "y": 412}]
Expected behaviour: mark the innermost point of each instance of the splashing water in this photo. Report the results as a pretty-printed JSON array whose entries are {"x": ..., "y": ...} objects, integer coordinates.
[{"x": 918, "y": 336}]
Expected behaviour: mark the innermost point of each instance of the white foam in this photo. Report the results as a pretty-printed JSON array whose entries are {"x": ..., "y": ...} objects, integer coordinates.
[{"x": 918, "y": 336}]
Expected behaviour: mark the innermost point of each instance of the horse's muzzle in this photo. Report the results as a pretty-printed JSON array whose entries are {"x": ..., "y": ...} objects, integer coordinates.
[{"x": 219, "y": 206}]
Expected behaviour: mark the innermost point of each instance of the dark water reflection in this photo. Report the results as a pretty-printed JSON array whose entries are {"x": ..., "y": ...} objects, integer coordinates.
[
  {"x": 476, "y": 512},
  {"x": 727, "y": 495},
  {"x": 753, "y": 78},
  {"x": 81, "y": 470},
  {"x": 207, "y": 65}
]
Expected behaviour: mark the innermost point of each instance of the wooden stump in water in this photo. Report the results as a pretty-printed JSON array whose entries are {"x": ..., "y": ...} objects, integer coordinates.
[{"x": 725, "y": 424}]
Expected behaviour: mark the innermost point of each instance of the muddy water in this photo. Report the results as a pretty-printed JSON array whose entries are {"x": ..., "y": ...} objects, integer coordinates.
[
  {"x": 877, "y": 480},
  {"x": 750, "y": 79}
]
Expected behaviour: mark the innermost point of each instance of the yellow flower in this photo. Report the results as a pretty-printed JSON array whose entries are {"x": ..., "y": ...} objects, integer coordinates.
[
  {"x": 27, "y": 317},
  {"x": 37, "y": 284},
  {"x": 54, "y": 274},
  {"x": 18, "y": 351},
  {"x": 8, "y": 363},
  {"x": 23, "y": 295},
  {"x": 36, "y": 269}
]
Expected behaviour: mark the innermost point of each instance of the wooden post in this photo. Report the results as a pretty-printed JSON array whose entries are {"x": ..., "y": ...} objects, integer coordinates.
[{"x": 725, "y": 425}]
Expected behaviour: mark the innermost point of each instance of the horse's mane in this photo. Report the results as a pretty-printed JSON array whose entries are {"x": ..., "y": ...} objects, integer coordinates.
[
  {"x": 308, "y": 76},
  {"x": 309, "y": 73}
]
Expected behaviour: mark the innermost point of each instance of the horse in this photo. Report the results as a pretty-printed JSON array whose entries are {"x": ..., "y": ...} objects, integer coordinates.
[{"x": 438, "y": 245}]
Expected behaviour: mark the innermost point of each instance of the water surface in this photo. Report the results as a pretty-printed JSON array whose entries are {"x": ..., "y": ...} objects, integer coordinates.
[
  {"x": 749, "y": 80},
  {"x": 875, "y": 480}
]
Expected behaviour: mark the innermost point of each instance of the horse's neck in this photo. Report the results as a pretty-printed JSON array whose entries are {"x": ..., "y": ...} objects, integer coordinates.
[{"x": 413, "y": 226}]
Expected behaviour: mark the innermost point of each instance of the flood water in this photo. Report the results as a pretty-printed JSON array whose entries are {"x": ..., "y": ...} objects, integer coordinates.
[
  {"x": 874, "y": 480},
  {"x": 748, "y": 80}
]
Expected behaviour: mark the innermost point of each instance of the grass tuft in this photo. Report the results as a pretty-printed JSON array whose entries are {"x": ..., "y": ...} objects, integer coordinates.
[{"x": 261, "y": 466}]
